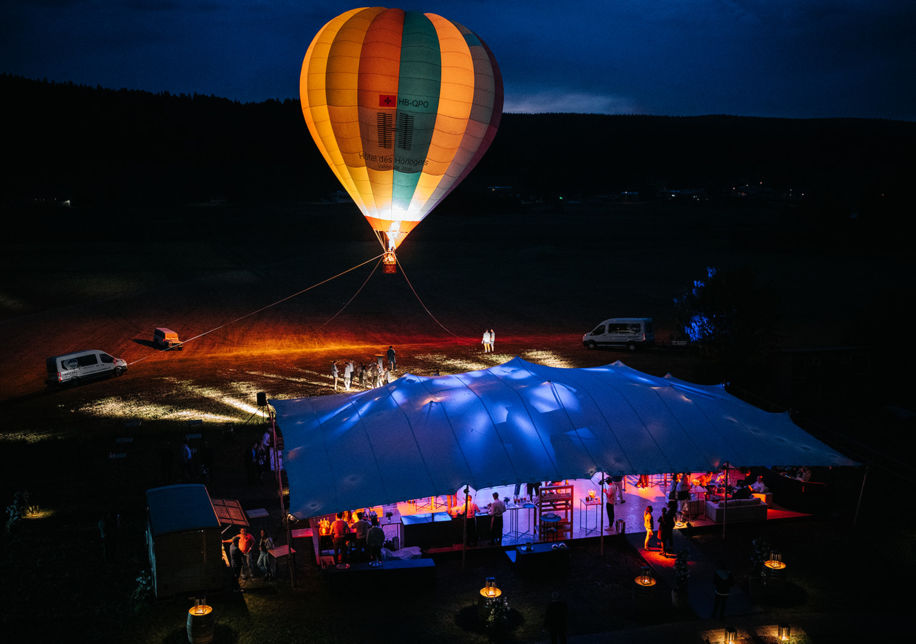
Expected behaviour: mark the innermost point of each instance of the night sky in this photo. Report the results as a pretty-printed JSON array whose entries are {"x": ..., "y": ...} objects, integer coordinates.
[{"x": 779, "y": 58}]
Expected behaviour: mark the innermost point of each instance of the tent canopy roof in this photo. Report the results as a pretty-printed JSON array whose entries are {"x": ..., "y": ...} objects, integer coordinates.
[{"x": 520, "y": 422}]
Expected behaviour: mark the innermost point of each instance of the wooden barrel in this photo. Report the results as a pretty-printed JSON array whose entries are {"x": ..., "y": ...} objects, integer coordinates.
[{"x": 200, "y": 624}]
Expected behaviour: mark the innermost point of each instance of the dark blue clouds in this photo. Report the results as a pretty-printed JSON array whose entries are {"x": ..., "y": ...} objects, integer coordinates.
[{"x": 800, "y": 58}]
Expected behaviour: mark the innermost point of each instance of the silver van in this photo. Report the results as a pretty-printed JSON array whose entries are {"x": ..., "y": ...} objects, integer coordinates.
[
  {"x": 631, "y": 333},
  {"x": 83, "y": 365}
]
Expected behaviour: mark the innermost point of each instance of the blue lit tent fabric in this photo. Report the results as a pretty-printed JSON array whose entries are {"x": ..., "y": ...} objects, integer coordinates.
[{"x": 519, "y": 422}]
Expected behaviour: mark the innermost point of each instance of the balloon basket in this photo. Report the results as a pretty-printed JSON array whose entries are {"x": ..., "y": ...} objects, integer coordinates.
[{"x": 389, "y": 263}]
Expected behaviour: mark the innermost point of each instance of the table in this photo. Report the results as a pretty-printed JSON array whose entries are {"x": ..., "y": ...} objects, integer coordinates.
[
  {"x": 427, "y": 530},
  {"x": 539, "y": 558},
  {"x": 531, "y": 528},
  {"x": 394, "y": 575},
  {"x": 585, "y": 506}
]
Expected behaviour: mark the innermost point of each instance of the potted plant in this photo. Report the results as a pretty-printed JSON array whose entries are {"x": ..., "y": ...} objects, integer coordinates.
[
  {"x": 681, "y": 575},
  {"x": 757, "y": 579}
]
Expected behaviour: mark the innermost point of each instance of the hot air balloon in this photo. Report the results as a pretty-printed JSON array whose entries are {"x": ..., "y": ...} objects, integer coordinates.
[{"x": 402, "y": 105}]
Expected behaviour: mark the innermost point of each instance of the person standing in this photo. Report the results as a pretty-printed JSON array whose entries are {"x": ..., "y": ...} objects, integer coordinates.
[
  {"x": 187, "y": 461},
  {"x": 392, "y": 359},
  {"x": 348, "y": 374},
  {"x": 361, "y": 531},
  {"x": 666, "y": 531},
  {"x": 610, "y": 500},
  {"x": 339, "y": 532},
  {"x": 265, "y": 563},
  {"x": 335, "y": 374},
  {"x": 497, "y": 509},
  {"x": 374, "y": 540},
  {"x": 485, "y": 341},
  {"x": 649, "y": 522},
  {"x": 492, "y": 340},
  {"x": 471, "y": 517},
  {"x": 241, "y": 552}
]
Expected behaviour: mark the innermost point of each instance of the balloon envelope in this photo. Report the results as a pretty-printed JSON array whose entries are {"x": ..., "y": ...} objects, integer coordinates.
[{"x": 402, "y": 105}]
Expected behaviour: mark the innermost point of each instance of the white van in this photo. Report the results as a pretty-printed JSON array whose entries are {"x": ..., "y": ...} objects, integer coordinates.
[
  {"x": 622, "y": 332},
  {"x": 72, "y": 367}
]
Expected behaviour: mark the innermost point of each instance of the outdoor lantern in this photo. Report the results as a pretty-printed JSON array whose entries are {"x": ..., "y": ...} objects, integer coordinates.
[
  {"x": 645, "y": 578},
  {"x": 591, "y": 495},
  {"x": 490, "y": 590},
  {"x": 775, "y": 561},
  {"x": 783, "y": 632},
  {"x": 731, "y": 635}
]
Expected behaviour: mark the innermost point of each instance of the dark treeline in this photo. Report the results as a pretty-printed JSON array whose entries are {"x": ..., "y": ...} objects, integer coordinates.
[{"x": 101, "y": 146}]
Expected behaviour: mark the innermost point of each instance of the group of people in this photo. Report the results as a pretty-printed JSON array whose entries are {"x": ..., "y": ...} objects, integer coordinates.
[
  {"x": 353, "y": 538},
  {"x": 365, "y": 374},
  {"x": 664, "y": 534},
  {"x": 489, "y": 339},
  {"x": 495, "y": 509},
  {"x": 247, "y": 554}
]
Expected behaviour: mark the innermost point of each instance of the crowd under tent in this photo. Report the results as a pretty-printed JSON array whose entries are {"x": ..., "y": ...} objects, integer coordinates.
[{"x": 520, "y": 422}]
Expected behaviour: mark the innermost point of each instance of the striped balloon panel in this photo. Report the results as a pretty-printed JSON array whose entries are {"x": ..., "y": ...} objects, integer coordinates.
[{"x": 402, "y": 105}]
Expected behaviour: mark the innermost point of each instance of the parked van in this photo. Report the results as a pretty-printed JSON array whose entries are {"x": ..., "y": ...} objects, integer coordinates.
[
  {"x": 83, "y": 365},
  {"x": 623, "y": 332},
  {"x": 166, "y": 339}
]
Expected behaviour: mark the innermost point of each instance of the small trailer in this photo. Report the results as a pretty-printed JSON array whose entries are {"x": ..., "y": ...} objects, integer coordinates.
[{"x": 184, "y": 540}]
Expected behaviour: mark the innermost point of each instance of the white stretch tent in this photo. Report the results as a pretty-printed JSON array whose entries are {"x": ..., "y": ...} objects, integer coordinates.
[{"x": 520, "y": 422}]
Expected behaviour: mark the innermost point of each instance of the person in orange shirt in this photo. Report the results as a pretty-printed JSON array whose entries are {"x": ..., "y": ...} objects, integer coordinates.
[
  {"x": 339, "y": 532},
  {"x": 240, "y": 553}
]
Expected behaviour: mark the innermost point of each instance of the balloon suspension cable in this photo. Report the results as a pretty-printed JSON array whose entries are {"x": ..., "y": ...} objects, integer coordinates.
[
  {"x": 273, "y": 304},
  {"x": 353, "y": 297},
  {"x": 447, "y": 330}
]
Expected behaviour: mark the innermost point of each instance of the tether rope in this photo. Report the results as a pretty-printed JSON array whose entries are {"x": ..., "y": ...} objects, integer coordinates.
[
  {"x": 272, "y": 304},
  {"x": 361, "y": 286},
  {"x": 447, "y": 330}
]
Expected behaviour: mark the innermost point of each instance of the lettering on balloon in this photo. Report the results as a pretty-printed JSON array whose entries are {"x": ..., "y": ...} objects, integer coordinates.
[
  {"x": 382, "y": 159},
  {"x": 414, "y": 102}
]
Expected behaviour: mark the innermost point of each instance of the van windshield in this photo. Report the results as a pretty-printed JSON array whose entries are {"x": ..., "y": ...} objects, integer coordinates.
[
  {"x": 598, "y": 330},
  {"x": 107, "y": 358}
]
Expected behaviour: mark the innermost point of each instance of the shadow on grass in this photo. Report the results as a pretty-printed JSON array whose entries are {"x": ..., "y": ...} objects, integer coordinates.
[
  {"x": 221, "y": 635},
  {"x": 468, "y": 620}
]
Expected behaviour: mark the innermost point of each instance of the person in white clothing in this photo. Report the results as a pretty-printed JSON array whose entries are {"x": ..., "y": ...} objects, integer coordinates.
[
  {"x": 335, "y": 374},
  {"x": 759, "y": 486},
  {"x": 610, "y": 500},
  {"x": 492, "y": 340},
  {"x": 496, "y": 510},
  {"x": 348, "y": 374},
  {"x": 486, "y": 341}
]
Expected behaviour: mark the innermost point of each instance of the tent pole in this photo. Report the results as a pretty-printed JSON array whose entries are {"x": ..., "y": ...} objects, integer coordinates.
[
  {"x": 725, "y": 502},
  {"x": 855, "y": 518},
  {"x": 464, "y": 527},
  {"x": 601, "y": 516},
  {"x": 284, "y": 518}
]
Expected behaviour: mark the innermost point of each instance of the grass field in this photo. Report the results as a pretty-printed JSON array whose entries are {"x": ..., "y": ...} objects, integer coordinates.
[{"x": 540, "y": 278}]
